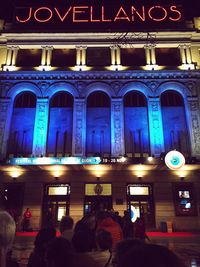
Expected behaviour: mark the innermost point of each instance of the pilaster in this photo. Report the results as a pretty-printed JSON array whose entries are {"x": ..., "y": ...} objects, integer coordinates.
[
  {"x": 41, "y": 127},
  {"x": 5, "y": 119},
  {"x": 79, "y": 128},
  {"x": 193, "y": 121},
  {"x": 117, "y": 128},
  {"x": 155, "y": 127}
]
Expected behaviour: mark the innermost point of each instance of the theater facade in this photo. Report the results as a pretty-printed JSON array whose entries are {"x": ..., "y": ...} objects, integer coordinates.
[{"x": 88, "y": 113}]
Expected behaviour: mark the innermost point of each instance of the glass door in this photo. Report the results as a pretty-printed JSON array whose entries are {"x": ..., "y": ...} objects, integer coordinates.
[
  {"x": 55, "y": 204},
  {"x": 141, "y": 204}
]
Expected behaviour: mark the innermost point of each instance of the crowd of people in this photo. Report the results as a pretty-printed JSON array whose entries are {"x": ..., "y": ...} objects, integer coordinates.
[{"x": 98, "y": 240}]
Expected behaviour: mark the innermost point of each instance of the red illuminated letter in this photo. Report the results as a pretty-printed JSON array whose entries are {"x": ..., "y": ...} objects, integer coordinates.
[
  {"x": 124, "y": 13},
  {"x": 43, "y": 20},
  {"x": 25, "y": 20},
  {"x": 142, "y": 17},
  {"x": 77, "y": 10},
  {"x": 65, "y": 15},
  {"x": 103, "y": 15},
  {"x": 161, "y": 8},
  {"x": 91, "y": 16},
  {"x": 178, "y": 13}
]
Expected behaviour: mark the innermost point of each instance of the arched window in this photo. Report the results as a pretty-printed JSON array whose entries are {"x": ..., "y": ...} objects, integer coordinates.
[
  {"x": 174, "y": 122},
  {"x": 22, "y": 125},
  {"x": 171, "y": 99},
  {"x": 61, "y": 100},
  {"x": 98, "y": 136},
  {"x": 136, "y": 126},
  {"x": 25, "y": 100},
  {"x": 98, "y": 99},
  {"x": 59, "y": 141},
  {"x": 135, "y": 99}
]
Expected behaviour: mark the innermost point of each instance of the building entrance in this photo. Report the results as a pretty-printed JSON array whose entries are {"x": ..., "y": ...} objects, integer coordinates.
[
  {"x": 98, "y": 197},
  {"x": 97, "y": 203},
  {"x": 55, "y": 204},
  {"x": 140, "y": 203}
]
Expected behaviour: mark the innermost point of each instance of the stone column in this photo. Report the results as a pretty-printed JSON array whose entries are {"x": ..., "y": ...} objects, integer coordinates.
[
  {"x": 79, "y": 128},
  {"x": 193, "y": 123},
  {"x": 9, "y": 56},
  {"x": 14, "y": 55},
  {"x": 81, "y": 56},
  {"x": 118, "y": 56},
  {"x": 115, "y": 56},
  {"x": 44, "y": 56},
  {"x": 188, "y": 55},
  {"x": 112, "y": 51},
  {"x": 49, "y": 55},
  {"x": 183, "y": 55},
  {"x": 41, "y": 127},
  {"x": 155, "y": 127},
  {"x": 6, "y": 109},
  {"x": 147, "y": 54},
  {"x": 153, "y": 55},
  {"x": 117, "y": 128}
]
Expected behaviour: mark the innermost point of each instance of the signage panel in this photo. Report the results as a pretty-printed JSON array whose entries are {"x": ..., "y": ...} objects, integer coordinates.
[
  {"x": 98, "y": 16},
  {"x": 54, "y": 161}
]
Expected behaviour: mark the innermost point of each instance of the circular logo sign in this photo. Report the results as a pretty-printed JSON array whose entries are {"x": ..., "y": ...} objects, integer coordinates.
[{"x": 174, "y": 160}]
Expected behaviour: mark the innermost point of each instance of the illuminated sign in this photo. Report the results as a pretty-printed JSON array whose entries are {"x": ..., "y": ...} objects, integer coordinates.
[
  {"x": 54, "y": 160},
  {"x": 174, "y": 160},
  {"x": 95, "y": 15},
  {"x": 65, "y": 160}
]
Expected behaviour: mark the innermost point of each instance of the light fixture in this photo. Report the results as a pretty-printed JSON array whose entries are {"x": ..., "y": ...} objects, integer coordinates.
[{"x": 150, "y": 158}]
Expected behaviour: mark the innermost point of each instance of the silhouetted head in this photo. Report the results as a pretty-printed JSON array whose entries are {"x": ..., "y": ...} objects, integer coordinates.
[
  {"x": 7, "y": 230},
  {"x": 66, "y": 223},
  {"x": 59, "y": 253},
  {"x": 149, "y": 255},
  {"x": 44, "y": 236}
]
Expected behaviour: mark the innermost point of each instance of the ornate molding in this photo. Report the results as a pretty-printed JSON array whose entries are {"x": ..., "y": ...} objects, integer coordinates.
[{"x": 99, "y": 75}]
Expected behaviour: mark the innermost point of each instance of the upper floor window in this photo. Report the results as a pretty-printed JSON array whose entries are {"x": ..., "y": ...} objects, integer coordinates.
[
  {"x": 28, "y": 57},
  {"x": 168, "y": 56},
  {"x": 133, "y": 57},
  {"x": 61, "y": 100},
  {"x": 171, "y": 99},
  {"x": 135, "y": 99},
  {"x": 98, "y": 99},
  {"x": 25, "y": 100},
  {"x": 63, "y": 57},
  {"x": 98, "y": 56}
]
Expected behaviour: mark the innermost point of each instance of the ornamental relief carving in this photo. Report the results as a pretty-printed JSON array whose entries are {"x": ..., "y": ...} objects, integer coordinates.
[
  {"x": 79, "y": 126},
  {"x": 117, "y": 127}
]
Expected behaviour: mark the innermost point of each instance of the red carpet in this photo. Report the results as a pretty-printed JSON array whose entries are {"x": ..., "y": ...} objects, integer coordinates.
[{"x": 156, "y": 234}]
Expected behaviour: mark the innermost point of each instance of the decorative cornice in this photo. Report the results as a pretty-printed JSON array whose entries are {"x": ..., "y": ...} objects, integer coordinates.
[{"x": 98, "y": 75}]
